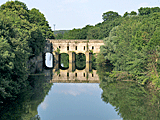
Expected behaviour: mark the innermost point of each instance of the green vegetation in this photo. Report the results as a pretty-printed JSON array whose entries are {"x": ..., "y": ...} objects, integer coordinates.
[
  {"x": 22, "y": 36},
  {"x": 99, "y": 31},
  {"x": 80, "y": 61},
  {"x": 25, "y": 106},
  {"x": 131, "y": 101},
  {"x": 59, "y": 33},
  {"x": 131, "y": 52},
  {"x": 64, "y": 59},
  {"x": 133, "y": 49}
]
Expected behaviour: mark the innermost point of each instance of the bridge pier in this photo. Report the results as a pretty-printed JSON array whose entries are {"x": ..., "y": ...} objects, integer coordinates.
[
  {"x": 56, "y": 61},
  {"x": 72, "y": 58},
  {"x": 88, "y": 61},
  {"x": 88, "y": 66},
  {"x": 88, "y": 57}
]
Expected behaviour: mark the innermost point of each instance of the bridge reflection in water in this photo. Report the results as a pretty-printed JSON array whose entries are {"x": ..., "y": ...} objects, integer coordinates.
[{"x": 72, "y": 75}]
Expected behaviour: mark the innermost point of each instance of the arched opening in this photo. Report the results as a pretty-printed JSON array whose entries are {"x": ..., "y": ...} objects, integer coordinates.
[
  {"x": 48, "y": 60},
  {"x": 64, "y": 61},
  {"x": 80, "y": 61}
]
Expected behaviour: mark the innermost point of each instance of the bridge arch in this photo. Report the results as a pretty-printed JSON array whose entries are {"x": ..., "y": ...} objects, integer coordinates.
[
  {"x": 73, "y": 47},
  {"x": 64, "y": 61},
  {"x": 80, "y": 61}
]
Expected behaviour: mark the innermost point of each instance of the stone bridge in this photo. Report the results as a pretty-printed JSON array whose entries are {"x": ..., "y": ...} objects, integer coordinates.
[{"x": 73, "y": 47}]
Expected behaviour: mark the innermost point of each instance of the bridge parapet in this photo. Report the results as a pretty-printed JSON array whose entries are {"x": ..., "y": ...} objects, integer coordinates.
[{"x": 78, "y": 46}]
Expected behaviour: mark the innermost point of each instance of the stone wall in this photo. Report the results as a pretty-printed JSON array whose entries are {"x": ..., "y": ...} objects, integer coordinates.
[{"x": 78, "y": 46}]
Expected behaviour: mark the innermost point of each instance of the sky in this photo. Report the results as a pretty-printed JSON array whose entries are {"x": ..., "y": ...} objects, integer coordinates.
[{"x": 70, "y": 14}]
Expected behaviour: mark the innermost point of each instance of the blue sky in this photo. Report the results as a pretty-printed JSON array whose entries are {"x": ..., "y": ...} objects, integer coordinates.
[{"x": 69, "y": 14}]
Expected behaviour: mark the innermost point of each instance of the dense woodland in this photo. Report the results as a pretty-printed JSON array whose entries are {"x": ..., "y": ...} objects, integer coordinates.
[
  {"x": 22, "y": 35},
  {"x": 133, "y": 49}
]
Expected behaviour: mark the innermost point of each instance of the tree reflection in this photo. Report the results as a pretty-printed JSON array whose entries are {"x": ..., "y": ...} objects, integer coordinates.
[
  {"x": 25, "y": 106},
  {"x": 132, "y": 101}
]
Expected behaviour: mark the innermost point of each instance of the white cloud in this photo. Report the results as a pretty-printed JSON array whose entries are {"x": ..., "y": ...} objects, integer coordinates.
[{"x": 77, "y": 89}]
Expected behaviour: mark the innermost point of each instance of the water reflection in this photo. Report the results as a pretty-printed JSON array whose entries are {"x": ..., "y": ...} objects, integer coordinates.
[
  {"x": 74, "y": 101},
  {"x": 131, "y": 100},
  {"x": 73, "y": 74},
  {"x": 74, "y": 98},
  {"x": 78, "y": 76},
  {"x": 25, "y": 105}
]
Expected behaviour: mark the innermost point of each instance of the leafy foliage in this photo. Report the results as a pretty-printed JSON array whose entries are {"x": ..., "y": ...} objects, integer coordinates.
[
  {"x": 133, "y": 47},
  {"x": 131, "y": 101},
  {"x": 110, "y": 15},
  {"x": 99, "y": 31},
  {"x": 64, "y": 57},
  {"x": 22, "y": 35},
  {"x": 80, "y": 61},
  {"x": 25, "y": 106}
]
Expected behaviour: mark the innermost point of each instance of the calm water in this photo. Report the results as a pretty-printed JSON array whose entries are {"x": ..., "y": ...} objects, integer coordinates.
[
  {"x": 63, "y": 94},
  {"x": 76, "y": 101}
]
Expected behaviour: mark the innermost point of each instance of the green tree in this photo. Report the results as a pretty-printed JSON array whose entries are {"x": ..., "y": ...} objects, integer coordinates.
[
  {"x": 132, "y": 48},
  {"x": 36, "y": 17},
  {"x": 93, "y": 33},
  {"x": 19, "y": 40},
  {"x": 110, "y": 15},
  {"x": 133, "y": 13},
  {"x": 125, "y": 14}
]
